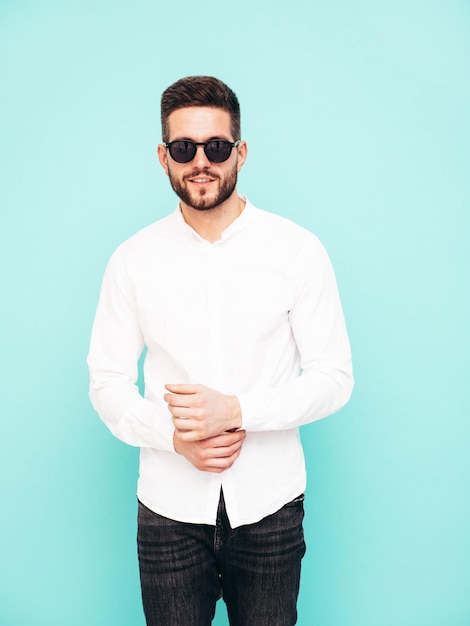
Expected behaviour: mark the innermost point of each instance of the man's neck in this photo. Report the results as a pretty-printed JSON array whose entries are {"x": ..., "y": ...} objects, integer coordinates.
[{"x": 211, "y": 223}]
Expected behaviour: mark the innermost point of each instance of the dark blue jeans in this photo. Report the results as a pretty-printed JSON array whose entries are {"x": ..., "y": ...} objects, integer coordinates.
[{"x": 186, "y": 568}]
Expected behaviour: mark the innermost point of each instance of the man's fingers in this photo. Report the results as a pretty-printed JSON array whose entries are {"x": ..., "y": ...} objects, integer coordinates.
[
  {"x": 175, "y": 399},
  {"x": 222, "y": 451},
  {"x": 189, "y": 430},
  {"x": 215, "y": 454},
  {"x": 219, "y": 463},
  {"x": 220, "y": 467},
  {"x": 225, "y": 440},
  {"x": 182, "y": 412},
  {"x": 182, "y": 388},
  {"x": 186, "y": 400}
]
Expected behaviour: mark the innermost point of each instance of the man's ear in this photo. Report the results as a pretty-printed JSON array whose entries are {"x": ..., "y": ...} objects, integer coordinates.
[
  {"x": 242, "y": 154},
  {"x": 162, "y": 154}
]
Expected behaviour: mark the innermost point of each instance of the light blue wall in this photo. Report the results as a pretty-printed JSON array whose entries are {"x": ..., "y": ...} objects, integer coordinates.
[{"x": 357, "y": 118}]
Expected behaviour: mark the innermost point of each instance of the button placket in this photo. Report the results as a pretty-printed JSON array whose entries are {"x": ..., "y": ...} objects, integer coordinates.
[{"x": 213, "y": 314}]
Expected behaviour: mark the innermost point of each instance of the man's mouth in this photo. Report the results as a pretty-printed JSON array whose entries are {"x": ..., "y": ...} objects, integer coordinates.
[{"x": 201, "y": 178}]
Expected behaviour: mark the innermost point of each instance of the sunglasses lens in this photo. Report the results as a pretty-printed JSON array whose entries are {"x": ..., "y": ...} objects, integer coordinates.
[
  {"x": 182, "y": 151},
  {"x": 218, "y": 151}
]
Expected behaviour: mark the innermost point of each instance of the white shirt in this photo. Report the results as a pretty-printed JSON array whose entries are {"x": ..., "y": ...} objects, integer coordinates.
[{"x": 255, "y": 314}]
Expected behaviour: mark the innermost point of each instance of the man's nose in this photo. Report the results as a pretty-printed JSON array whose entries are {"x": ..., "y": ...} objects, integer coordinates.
[{"x": 200, "y": 158}]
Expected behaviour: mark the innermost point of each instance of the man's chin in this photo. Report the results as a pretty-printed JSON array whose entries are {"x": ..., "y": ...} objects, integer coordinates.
[
  {"x": 199, "y": 202},
  {"x": 205, "y": 205},
  {"x": 203, "y": 202}
]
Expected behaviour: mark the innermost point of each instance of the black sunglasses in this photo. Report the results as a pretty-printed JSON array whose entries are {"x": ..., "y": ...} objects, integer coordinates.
[{"x": 216, "y": 150}]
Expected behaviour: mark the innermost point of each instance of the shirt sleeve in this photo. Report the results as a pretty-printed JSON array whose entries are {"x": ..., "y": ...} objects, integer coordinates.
[
  {"x": 325, "y": 380},
  {"x": 116, "y": 345}
]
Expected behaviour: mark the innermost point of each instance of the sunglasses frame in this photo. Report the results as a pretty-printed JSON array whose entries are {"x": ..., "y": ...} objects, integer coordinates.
[{"x": 232, "y": 145}]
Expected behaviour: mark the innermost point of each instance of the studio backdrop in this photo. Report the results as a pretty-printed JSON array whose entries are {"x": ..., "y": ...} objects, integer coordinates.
[{"x": 356, "y": 116}]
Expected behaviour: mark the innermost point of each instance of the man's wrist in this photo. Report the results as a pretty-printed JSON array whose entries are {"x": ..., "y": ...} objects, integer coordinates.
[{"x": 236, "y": 413}]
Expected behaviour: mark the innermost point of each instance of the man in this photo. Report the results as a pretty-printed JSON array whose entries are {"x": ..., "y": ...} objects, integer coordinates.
[{"x": 245, "y": 338}]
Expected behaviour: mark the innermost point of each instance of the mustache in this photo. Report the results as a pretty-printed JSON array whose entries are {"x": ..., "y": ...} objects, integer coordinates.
[{"x": 205, "y": 171}]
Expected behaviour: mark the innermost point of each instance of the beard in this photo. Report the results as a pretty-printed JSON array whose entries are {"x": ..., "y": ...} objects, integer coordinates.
[{"x": 202, "y": 201}]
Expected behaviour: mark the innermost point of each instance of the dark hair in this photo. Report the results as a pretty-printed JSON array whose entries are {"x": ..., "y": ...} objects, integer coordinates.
[{"x": 194, "y": 91}]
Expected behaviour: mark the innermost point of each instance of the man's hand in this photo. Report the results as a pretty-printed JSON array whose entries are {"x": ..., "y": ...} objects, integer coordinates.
[
  {"x": 211, "y": 455},
  {"x": 200, "y": 413}
]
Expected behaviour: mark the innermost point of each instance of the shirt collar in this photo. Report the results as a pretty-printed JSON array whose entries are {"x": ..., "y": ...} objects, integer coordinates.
[{"x": 231, "y": 230}]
